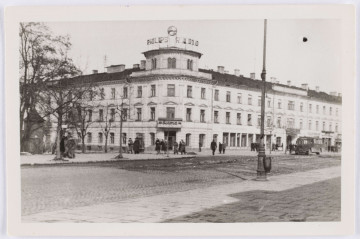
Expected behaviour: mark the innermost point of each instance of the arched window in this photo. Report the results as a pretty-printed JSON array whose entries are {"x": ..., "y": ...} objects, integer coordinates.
[
  {"x": 153, "y": 63},
  {"x": 171, "y": 63},
  {"x": 190, "y": 64}
]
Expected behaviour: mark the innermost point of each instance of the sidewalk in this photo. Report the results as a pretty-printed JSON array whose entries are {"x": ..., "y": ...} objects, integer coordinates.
[{"x": 161, "y": 208}]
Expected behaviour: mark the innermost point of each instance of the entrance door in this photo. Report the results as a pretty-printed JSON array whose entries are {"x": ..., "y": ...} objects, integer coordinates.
[
  {"x": 170, "y": 136},
  {"x": 288, "y": 141}
]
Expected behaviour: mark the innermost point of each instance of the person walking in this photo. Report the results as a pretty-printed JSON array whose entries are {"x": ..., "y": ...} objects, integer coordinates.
[
  {"x": 62, "y": 146},
  {"x": 136, "y": 146},
  {"x": 131, "y": 145},
  {"x": 223, "y": 147},
  {"x": 176, "y": 149},
  {"x": 182, "y": 147},
  {"x": 163, "y": 146},
  {"x": 157, "y": 146},
  {"x": 213, "y": 147},
  {"x": 220, "y": 147}
]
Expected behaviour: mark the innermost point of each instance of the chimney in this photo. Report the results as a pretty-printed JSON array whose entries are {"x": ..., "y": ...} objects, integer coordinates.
[
  {"x": 94, "y": 71},
  {"x": 221, "y": 69},
  {"x": 237, "y": 72},
  {"x": 334, "y": 93},
  {"x": 305, "y": 86},
  {"x": 252, "y": 75},
  {"x": 317, "y": 88},
  {"x": 115, "y": 68},
  {"x": 226, "y": 72},
  {"x": 143, "y": 64},
  {"x": 136, "y": 66},
  {"x": 339, "y": 94}
]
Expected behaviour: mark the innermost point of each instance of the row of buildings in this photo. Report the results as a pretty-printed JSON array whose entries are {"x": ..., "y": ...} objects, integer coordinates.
[{"x": 167, "y": 96}]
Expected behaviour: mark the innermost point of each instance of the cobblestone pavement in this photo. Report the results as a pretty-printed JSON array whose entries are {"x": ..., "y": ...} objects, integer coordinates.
[
  {"x": 54, "y": 187},
  {"x": 315, "y": 202},
  {"x": 311, "y": 195}
]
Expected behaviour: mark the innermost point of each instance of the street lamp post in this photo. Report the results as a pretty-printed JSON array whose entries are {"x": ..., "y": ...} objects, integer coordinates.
[{"x": 261, "y": 174}]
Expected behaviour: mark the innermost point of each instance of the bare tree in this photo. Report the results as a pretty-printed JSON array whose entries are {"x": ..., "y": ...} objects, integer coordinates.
[
  {"x": 106, "y": 121},
  {"x": 42, "y": 59}
]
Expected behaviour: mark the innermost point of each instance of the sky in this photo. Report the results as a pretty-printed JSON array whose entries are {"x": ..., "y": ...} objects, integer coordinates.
[{"x": 234, "y": 44}]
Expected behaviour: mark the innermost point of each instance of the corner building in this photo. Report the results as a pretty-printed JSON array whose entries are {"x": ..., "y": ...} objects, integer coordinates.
[{"x": 167, "y": 95}]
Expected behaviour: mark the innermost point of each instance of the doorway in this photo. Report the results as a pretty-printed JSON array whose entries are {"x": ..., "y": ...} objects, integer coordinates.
[{"x": 170, "y": 136}]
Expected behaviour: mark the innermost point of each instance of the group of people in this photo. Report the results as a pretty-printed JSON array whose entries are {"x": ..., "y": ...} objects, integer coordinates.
[
  {"x": 67, "y": 146},
  {"x": 134, "y": 146},
  {"x": 163, "y": 146},
  {"x": 222, "y": 147}
]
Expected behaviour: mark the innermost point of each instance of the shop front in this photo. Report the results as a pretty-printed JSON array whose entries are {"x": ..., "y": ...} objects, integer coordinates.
[{"x": 170, "y": 128}]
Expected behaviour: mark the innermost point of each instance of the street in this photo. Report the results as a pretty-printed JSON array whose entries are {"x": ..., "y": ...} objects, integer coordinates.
[{"x": 50, "y": 188}]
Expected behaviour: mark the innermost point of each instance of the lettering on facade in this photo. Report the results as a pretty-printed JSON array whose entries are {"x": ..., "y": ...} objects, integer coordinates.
[
  {"x": 169, "y": 124},
  {"x": 178, "y": 40}
]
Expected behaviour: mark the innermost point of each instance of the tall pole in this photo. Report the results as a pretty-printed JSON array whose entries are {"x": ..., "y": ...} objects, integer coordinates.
[{"x": 261, "y": 174}]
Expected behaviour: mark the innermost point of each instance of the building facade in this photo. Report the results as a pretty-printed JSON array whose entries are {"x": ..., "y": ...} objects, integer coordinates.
[{"x": 167, "y": 96}]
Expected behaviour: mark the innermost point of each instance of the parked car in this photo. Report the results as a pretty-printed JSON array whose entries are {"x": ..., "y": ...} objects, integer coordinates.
[{"x": 307, "y": 145}]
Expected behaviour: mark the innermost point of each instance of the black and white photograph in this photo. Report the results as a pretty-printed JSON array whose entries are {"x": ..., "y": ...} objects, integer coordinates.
[{"x": 192, "y": 121}]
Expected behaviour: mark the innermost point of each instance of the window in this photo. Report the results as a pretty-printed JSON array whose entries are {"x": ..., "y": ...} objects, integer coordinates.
[
  {"x": 112, "y": 138},
  {"x": 216, "y": 116},
  {"x": 268, "y": 121},
  {"x": 190, "y": 64},
  {"x": 259, "y": 120},
  {"x": 170, "y": 112},
  {"x": 91, "y": 95},
  {"x": 124, "y": 114},
  {"x": 330, "y": 127},
  {"x": 228, "y": 96},
  {"x": 100, "y": 138},
  {"x": 171, "y": 90},
  {"x": 301, "y": 124},
  {"x": 102, "y": 93},
  {"x": 310, "y": 108},
  {"x": 317, "y": 125},
  {"x": 216, "y": 95},
  {"x": 259, "y": 101},
  {"x": 187, "y": 139},
  {"x": 202, "y": 116},
  {"x": 153, "y": 90},
  {"x": 153, "y": 63},
  {"x": 171, "y": 63},
  {"x": 125, "y": 92},
  {"x": 189, "y": 91},
  {"x": 278, "y": 122},
  {"x": 291, "y": 105},
  {"x": 269, "y": 103},
  {"x": 290, "y": 123},
  {"x": 249, "y": 99},
  {"x": 317, "y": 109},
  {"x": 139, "y": 91},
  {"x": 330, "y": 111},
  {"x": 89, "y": 137},
  {"x": 113, "y": 93},
  {"x": 239, "y": 99},
  {"x": 228, "y": 117},
  {"x": 279, "y": 104},
  {"x": 324, "y": 110},
  {"x": 323, "y": 127},
  {"x": 203, "y": 93},
  {"x": 152, "y": 138},
  {"x": 238, "y": 118},
  {"x": 336, "y": 128},
  {"x": 101, "y": 115},
  {"x": 112, "y": 114},
  {"x": 301, "y": 107},
  {"x": 138, "y": 113},
  {"x": 124, "y": 138},
  {"x": 89, "y": 115},
  {"x": 152, "y": 113},
  {"x": 249, "y": 120},
  {"x": 188, "y": 114},
  {"x": 310, "y": 126},
  {"x": 201, "y": 139}
]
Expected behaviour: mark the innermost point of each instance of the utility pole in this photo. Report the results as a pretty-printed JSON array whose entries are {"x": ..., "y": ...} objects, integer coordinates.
[{"x": 261, "y": 174}]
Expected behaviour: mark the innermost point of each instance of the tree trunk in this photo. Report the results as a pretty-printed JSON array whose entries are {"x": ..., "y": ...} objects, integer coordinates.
[
  {"x": 120, "y": 156},
  {"x": 106, "y": 142},
  {"x": 83, "y": 150},
  {"x": 58, "y": 140}
]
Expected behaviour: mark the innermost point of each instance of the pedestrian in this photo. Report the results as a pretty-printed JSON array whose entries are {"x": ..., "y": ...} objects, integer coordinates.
[
  {"x": 220, "y": 147},
  {"x": 176, "y": 149},
  {"x": 182, "y": 147},
  {"x": 213, "y": 147},
  {"x": 131, "y": 146},
  {"x": 163, "y": 146},
  {"x": 70, "y": 146},
  {"x": 62, "y": 146},
  {"x": 136, "y": 146},
  {"x": 200, "y": 145},
  {"x": 157, "y": 146},
  {"x": 223, "y": 147}
]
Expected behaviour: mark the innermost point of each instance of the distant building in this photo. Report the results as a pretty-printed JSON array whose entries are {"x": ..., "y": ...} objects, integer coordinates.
[{"x": 168, "y": 96}]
